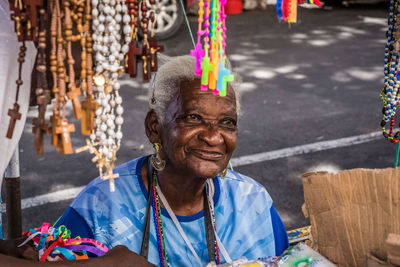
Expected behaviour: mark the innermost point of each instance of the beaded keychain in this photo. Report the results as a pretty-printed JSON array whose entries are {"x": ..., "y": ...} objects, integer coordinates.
[
  {"x": 390, "y": 92},
  {"x": 210, "y": 59},
  {"x": 57, "y": 243}
]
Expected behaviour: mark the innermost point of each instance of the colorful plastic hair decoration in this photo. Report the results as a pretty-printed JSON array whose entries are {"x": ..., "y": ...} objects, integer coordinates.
[
  {"x": 210, "y": 57},
  {"x": 57, "y": 242}
]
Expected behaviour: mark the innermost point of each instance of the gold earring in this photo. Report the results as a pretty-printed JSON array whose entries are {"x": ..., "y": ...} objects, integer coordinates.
[
  {"x": 224, "y": 172},
  {"x": 156, "y": 160}
]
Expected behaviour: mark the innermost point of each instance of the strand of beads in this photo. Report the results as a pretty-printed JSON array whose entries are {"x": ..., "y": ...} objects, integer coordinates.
[
  {"x": 390, "y": 92},
  {"x": 210, "y": 61},
  {"x": 107, "y": 18}
]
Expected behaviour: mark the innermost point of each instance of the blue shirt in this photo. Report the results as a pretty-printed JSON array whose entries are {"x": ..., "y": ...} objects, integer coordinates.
[{"x": 247, "y": 222}]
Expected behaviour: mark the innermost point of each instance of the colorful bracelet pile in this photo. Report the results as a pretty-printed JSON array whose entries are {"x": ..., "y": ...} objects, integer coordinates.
[
  {"x": 57, "y": 242},
  {"x": 210, "y": 58}
]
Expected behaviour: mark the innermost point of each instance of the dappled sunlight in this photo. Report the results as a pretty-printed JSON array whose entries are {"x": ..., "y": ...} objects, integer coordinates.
[
  {"x": 370, "y": 74},
  {"x": 286, "y": 69},
  {"x": 264, "y": 74},
  {"x": 321, "y": 42},
  {"x": 372, "y": 20},
  {"x": 247, "y": 87}
]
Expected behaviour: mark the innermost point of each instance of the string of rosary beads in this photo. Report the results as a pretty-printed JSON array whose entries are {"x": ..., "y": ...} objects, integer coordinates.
[
  {"x": 26, "y": 26},
  {"x": 105, "y": 139},
  {"x": 390, "y": 91},
  {"x": 210, "y": 58},
  {"x": 146, "y": 53}
]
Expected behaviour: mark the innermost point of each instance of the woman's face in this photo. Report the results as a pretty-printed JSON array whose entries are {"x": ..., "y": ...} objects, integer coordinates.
[{"x": 199, "y": 133}]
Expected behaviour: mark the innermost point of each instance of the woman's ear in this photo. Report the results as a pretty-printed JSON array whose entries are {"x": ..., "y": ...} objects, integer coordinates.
[{"x": 151, "y": 126}]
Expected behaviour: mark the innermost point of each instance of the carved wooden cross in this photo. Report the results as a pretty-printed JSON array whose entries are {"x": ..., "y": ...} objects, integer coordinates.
[
  {"x": 89, "y": 107},
  {"x": 34, "y": 6},
  {"x": 154, "y": 48},
  {"x": 55, "y": 122},
  {"x": 15, "y": 115},
  {"x": 89, "y": 146},
  {"x": 64, "y": 130},
  {"x": 110, "y": 176},
  {"x": 146, "y": 59},
  {"x": 39, "y": 129},
  {"x": 133, "y": 53},
  {"x": 73, "y": 94}
]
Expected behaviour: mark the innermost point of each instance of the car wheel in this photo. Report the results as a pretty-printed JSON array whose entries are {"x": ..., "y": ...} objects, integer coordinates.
[{"x": 169, "y": 17}]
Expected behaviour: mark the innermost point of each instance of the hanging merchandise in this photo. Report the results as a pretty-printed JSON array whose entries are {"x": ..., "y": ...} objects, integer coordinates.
[
  {"x": 390, "y": 92},
  {"x": 145, "y": 51},
  {"x": 210, "y": 58},
  {"x": 57, "y": 244},
  {"x": 105, "y": 139},
  {"x": 287, "y": 9}
]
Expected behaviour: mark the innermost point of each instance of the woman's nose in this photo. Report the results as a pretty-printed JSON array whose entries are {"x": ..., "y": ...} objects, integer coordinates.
[{"x": 211, "y": 135}]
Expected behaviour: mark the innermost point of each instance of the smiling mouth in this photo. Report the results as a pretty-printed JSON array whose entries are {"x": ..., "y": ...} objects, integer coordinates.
[{"x": 207, "y": 155}]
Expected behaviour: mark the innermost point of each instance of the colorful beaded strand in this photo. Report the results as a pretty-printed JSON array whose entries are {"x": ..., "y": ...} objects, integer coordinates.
[{"x": 157, "y": 226}]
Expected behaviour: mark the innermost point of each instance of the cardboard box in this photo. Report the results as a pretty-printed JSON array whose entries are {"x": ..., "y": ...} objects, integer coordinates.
[{"x": 352, "y": 213}]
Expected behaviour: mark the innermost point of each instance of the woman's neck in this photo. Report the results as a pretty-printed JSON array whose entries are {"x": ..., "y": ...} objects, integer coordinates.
[{"x": 183, "y": 192}]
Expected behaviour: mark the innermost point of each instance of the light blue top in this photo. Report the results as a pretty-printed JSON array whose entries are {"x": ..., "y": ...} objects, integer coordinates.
[{"x": 247, "y": 223}]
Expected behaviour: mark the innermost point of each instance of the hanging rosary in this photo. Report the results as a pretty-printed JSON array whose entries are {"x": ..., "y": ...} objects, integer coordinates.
[
  {"x": 210, "y": 58},
  {"x": 390, "y": 91},
  {"x": 105, "y": 139}
]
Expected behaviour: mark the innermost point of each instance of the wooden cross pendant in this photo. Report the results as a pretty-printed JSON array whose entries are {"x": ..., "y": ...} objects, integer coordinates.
[
  {"x": 39, "y": 129},
  {"x": 55, "y": 122},
  {"x": 89, "y": 107},
  {"x": 133, "y": 53},
  {"x": 154, "y": 48},
  {"x": 64, "y": 130},
  {"x": 110, "y": 176},
  {"x": 73, "y": 95},
  {"x": 146, "y": 59},
  {"x": 34, "y": 6},
  {"x": 15, "y": 115}
]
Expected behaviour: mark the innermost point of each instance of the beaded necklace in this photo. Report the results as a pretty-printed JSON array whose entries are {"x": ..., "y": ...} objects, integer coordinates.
[
  {"x": 159, "y": 225},
  {"x": 389, "y": 93}
]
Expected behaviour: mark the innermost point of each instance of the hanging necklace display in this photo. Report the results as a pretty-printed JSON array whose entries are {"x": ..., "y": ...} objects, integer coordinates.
[
  {"x": 25, "y": 27},
  {"x": 105, "y": 139},
  {"x": 214, "y": 75},
  {"x": 42, "y": 92},
  {"x": 60, "y": 127},
  {"x": 14, "y": 112},
  {"x": 146, "y": 52},
  {"x": 89, "y": 105},
  {"x": 390, "y": 91},
  {"x": 73, "y": 91},
  {"x": 134, "y": 49}
]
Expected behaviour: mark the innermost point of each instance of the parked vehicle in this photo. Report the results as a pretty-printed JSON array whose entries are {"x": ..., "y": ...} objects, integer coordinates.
[{"x": 169, "y": 16}]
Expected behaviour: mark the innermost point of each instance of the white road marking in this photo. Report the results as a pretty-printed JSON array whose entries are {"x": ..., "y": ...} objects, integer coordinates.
[
  {"x": 305, "y": 149},
  {"x": 239, "y": 161}
]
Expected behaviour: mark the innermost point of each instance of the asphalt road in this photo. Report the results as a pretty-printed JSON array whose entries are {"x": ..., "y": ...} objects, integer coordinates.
[{"x": 314, "y": 81}]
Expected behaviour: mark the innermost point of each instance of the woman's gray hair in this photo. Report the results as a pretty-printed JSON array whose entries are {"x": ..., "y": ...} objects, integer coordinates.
[{"x": 167, "y": 81}]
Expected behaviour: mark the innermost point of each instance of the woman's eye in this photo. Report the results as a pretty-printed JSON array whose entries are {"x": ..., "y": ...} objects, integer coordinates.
[
  {"x": 193, "y": 118},
  {"x": 228, "y": 122}
]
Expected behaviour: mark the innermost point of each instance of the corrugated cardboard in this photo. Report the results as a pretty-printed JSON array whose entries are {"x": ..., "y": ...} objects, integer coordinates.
[{"x": 352, "y": 213}]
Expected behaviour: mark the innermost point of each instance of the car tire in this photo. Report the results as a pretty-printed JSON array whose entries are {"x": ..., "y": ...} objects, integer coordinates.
[{"x": 169, "y": 18}]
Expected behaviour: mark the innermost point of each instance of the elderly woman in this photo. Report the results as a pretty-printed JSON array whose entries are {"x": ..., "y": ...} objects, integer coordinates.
[{"x": 182, "y": 206}]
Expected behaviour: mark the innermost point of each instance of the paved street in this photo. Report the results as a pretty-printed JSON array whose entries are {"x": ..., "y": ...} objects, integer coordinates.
[{"x": 315, "y": 81}]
